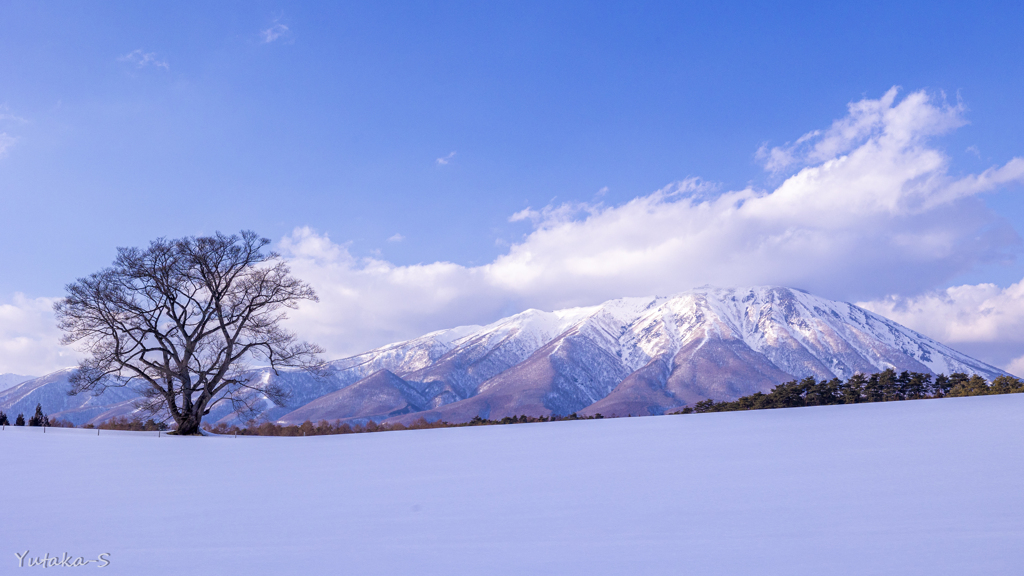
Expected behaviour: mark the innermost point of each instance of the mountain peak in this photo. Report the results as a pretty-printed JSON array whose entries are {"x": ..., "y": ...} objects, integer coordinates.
[{"x": 632, "y": 355}]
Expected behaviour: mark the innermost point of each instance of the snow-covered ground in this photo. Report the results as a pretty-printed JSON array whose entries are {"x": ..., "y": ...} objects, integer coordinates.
[{"x": 922, "y": 487}]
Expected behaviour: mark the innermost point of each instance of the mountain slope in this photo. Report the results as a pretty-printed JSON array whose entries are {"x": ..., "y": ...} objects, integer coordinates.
[
  {"x": 378, "y": 396},
  {"x": 626, "y": 356},
  {"x": 8, "y": 380}
]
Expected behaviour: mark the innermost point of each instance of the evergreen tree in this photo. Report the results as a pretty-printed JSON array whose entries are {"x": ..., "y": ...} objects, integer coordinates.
[
  {"x": 39, "y": 419},
  {"x": 903, "y": 385},
  {"x": 704, "y": 406},
  {"x": 973, "y": 386},
  {"x": 817, "y": 394},
  {"x": 1006, "y": 385},
  {"x": 918, "y": 385},
  {"x": 957, "y": 378},
  {"x": 20, "y": 420},
  {"x": 873, "y": 391},
  {"x": 941, "y": 386},
  {"x": 853, "y": 390},
  {"x": 3, "y": 419},
  {"x": 888, "y": 385}
]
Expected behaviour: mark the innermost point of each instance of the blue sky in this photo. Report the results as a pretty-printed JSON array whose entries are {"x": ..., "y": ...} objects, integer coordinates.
[{"x": 122, "y": 122}]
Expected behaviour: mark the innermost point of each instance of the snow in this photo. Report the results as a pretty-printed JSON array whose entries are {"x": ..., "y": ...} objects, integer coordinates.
[
  {"x": 926, "y": 487},
  {"x": 8, "y": 380},
  {"x": 789, "y": 333}
]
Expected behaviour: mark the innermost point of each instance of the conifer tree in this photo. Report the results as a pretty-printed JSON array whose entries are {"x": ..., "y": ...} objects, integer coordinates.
[
  {"x": 918, "y": 385},
  {"x": 854, "y": 388},
  {"x": 973, "y": 386},
  {"x": 39, "y": 419},
  {"x": 20, "y": 420},
  {"x": 941, "y": 386},
  {"x": 1007, "y": 385},
  {"x": 3, "y": 419}
]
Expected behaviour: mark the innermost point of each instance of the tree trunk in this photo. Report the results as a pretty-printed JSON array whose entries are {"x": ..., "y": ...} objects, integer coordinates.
[{"x": 189, "y": 426}]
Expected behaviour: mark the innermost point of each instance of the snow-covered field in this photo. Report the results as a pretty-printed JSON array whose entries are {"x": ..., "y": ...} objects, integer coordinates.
[{"x": 922, "y": 487}]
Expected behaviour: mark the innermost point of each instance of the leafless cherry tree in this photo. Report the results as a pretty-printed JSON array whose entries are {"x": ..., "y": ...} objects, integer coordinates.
[{"x": 181, "y": 320}]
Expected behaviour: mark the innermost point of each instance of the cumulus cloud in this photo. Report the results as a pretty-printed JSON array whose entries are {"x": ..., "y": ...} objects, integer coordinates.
[
  {"x": 273, "y": 33},
  {"x": 982, "y": 319},
  {"x": 871, "y": 209},
  {"x": 142, "y": 59},
  {"x": 911, "y": 121},
  {"x": 29, "y": 338},
  {"x": 445, "y": 160}
]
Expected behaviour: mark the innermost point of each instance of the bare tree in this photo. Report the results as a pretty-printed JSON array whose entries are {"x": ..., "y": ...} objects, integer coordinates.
[{"x": 181, "y": 320}]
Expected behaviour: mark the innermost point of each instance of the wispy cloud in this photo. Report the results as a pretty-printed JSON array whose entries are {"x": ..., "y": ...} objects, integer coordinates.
[
  {"x": 143, "y": 59},
  {"x": 273, "y": 33},
  {"x": 6, "y": 141},
  {"x": 444, "y": 160},
  {"x": 7, "y": 116},
  {"x": 396, "y": 238}
]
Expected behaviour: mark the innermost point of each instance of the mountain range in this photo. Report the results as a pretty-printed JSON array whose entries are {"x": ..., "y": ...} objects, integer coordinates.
[{"x": 630, "y": 356}]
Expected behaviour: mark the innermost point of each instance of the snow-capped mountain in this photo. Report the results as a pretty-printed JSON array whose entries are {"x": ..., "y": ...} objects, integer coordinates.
[
  {"x": 632, "y": 356},
  {"x": 51, "y": 392},
  {"x": 8, "y": 380},
  {"x": 626, "y": 356}
]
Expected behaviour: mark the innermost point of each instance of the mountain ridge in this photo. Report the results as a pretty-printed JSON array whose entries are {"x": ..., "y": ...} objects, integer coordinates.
[{"x": 627, "y": 356}]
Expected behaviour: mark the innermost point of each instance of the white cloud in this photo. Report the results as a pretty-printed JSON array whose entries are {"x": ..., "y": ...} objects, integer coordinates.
[
  {"x": 7, "y": 116},
  {"x": 444, "y": 160},
  {"x": 874, "y": 212},
  {"x": 396, "y": 238},
  {"x": 1016, "y": 367},
  {"x": 6, "y": 142},
  {"x": 907, "y": 123},
  {"x": 142, "y": 59},
  {"x": 988, "y": 321},
  {"x": 273, "y": 33},
  {"x": 29, "y": 338}
]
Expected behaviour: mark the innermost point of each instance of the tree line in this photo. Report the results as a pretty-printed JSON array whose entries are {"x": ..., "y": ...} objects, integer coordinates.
[
  {"x": 885, "y": 386},
  {"x": 37, "y": 419},
  {"x": 324, "y": 427}
]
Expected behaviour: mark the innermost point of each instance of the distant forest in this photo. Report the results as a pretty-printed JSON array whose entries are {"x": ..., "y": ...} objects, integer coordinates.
[{"x": 885, "y": 386}]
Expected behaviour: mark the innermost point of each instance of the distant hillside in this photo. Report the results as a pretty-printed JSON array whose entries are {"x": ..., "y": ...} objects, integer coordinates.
[
  {"x": 632, "y": 356},
  {"x": 628, "y": 356},
  {"x": 8, "y": 380}
]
